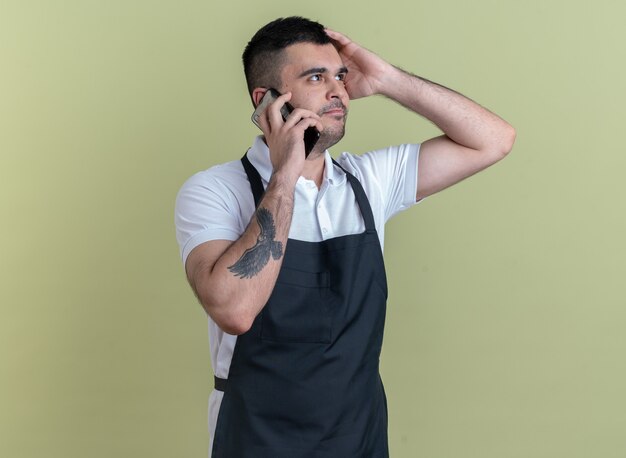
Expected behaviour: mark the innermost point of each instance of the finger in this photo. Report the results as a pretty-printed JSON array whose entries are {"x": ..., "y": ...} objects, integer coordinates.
[
  {"x": 274, "y": 117},
  {"x": 319, "y": 126},
  {"x": 338, "y": 37},
  {"x": 304, "y": 123},
  {"x": 299, "y": 114},
  {"x": 263, "y": 121}
]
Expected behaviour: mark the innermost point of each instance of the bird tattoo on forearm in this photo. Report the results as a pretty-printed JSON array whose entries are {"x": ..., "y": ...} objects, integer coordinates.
[{"x": 254, "y": 259}]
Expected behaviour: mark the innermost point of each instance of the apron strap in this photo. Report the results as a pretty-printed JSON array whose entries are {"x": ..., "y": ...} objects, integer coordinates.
[
  {"x": 361, "y": 199},
  {"x": 220, "y": 383},
  {"x": 255, "y": 179}
]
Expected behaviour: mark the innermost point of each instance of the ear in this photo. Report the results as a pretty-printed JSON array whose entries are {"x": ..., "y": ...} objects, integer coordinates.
[{"x": 257, "y": 95}]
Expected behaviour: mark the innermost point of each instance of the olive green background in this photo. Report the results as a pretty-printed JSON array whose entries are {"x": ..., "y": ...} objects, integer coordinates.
[{"x": 504, "y": 334}]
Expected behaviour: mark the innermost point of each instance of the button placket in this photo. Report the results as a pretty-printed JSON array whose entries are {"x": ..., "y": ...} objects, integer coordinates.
[{"x": 324, "y": 220}]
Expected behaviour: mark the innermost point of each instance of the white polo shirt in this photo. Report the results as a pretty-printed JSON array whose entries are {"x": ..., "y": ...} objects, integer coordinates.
[{"x": 217, "y": 204}]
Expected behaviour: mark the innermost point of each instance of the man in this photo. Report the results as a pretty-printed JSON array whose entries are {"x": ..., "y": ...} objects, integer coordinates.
[{"x": 284, "y": 253}]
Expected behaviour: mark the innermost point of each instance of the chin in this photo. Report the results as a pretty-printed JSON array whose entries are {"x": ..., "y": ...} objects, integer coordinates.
[{"x": 330, "y": 137}]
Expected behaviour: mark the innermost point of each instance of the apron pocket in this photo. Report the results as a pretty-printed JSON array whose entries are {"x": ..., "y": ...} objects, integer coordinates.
[{"x": 298, "y": 309}]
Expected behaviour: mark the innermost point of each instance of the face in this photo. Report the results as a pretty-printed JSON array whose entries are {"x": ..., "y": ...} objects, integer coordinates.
[{"x": 314, "y": 74}]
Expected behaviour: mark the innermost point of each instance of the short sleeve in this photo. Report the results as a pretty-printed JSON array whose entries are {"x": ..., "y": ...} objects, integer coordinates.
[
  {"x": 207, "y": 208},
  {"x": 390, "y": 171}
]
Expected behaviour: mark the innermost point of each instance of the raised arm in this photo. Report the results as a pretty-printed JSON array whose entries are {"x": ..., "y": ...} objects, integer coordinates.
[
  {"x": 234, "y": 280},
  {"x": 474, "y": 138}
]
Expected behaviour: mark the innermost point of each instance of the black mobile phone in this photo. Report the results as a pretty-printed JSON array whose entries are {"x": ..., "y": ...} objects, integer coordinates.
[{"x": 311, "y": 134}]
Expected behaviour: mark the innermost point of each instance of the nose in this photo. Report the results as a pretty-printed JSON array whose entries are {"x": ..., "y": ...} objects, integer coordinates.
[{"x": 336, "y": 90}]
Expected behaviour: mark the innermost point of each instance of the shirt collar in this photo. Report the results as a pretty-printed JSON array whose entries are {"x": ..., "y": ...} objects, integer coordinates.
[{"x": 259, "y": 156}]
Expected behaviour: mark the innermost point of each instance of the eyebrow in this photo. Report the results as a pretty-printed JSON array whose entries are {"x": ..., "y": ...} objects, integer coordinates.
[{"x": 315, "y": 70}]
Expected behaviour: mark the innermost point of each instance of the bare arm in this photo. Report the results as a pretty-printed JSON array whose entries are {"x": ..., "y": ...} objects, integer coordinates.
[
  {"x": 473, "y": 139},
  {"x": 233, "y": 280}
]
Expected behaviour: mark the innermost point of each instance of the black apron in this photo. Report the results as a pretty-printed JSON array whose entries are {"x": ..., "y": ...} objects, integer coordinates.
[{"x": 304, "y": 380}]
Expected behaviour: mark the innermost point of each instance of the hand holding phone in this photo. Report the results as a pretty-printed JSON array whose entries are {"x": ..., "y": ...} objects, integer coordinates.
[{"x": 311, "y": 134}]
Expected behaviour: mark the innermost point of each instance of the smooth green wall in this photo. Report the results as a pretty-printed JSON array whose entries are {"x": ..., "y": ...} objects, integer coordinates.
[{"x": 505, "y": 331}]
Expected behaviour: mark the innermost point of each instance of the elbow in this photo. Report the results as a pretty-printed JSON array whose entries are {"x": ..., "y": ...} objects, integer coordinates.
[
  {"x": 230, "y": 318},
  {"x": 507, "y": 139},
  {"x": 500, "y": 145},
  {"x": 235, "y": 325},
  {"x": 231, "y": 307}
]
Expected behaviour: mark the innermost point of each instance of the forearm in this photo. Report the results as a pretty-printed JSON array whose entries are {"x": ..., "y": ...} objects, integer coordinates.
[
  {"x": 235, "y": 281},
  {"x": 459, "y": 118},
  {"x": 241, "y": 281}
]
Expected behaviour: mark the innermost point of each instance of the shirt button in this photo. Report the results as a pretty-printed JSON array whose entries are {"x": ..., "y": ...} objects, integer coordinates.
[{"x": 324, "y": 230}]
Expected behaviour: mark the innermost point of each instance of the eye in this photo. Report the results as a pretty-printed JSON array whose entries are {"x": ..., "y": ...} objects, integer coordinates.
[
  {"x": 316, "y": 77},
  {"x": 340, "y": 77}
]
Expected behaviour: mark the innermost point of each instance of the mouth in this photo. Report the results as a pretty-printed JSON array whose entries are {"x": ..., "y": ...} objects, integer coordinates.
[
  {"x": 335, "y": 109},
  {"x": 337, "y": 112}
]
